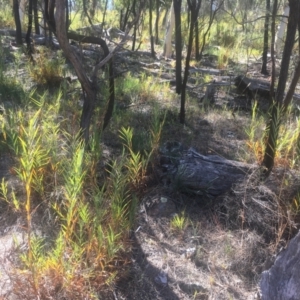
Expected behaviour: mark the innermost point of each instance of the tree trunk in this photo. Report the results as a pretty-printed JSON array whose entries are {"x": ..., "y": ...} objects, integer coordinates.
[
  {"x": 17, "y": 22},
  {"x": 124, "y": 19},
  {"x": 104, "y": 13},
  {"x": 169, "y": 30},
  {"x": 89, "y": 89},
  {"x": 111, "y": 102},
  {"x": 213, "y": 13},
  {"x": 36, "y": 17},
  {"x": 264, "y": 69},
  {"x": 157, "y": 22},
  {"x": 150, "y": 30},
  {"x": 134, "y": 12},
  {"x": 197, "y": 48},
  {"x": 281, "y": 30},
  {"x": 178, "y": 43},
  {"x": 194, "y": 6},
  {"x": 275, "y": 118},
  {"x": 29, "y": 29}
]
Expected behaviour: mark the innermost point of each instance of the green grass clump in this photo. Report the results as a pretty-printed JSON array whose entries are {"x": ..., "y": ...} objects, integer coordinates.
[
  {"x": 6, "y": 17},
  {"x": 47, "y": 70},
  {"x": 11, "y": 91},
  {"x": 287, "y": 152}
]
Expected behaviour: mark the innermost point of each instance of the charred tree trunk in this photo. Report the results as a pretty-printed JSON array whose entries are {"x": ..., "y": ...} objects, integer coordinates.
[
  {"x": 178, "y": 43},
  {"x": 17, "y": 22},
  {"x": 275, "y": 118},
  {"x": 111, "y": 102},
  {"x": 104, "y": 12},
  {"x": 124, "y": 18},
  {"x": 150, "y": 29},
  {"x": 135, "y": 24},
  {"x": 36, "y": 17},
  {"x": 264, "y": 69},
  {"x": 29, "y": 29}
]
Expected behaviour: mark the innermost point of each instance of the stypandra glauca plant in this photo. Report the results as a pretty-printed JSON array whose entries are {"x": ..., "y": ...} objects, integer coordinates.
[
  {"x": 136, "y": 163},
  {"x": 90, "y": 224}
]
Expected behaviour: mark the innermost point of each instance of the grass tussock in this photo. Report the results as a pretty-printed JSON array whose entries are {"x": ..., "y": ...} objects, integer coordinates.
[{"x": 47, "y": 70}]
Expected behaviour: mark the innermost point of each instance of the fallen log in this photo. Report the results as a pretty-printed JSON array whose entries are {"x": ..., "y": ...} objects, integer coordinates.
[
  {"x": 282, "y": 281},
  {"x": 199, "y": 174},
  {"x": 253, "y": 87}
]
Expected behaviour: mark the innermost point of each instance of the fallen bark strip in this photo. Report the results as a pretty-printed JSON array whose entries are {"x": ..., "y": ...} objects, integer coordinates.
[{"x": 199, "y": 174}]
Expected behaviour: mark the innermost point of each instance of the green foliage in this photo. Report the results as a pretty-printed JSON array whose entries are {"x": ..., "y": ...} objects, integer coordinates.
[
  {"x": 92, "y": 221},
  {"x": 47, "y": 70},
  {"x": 179, "y": 221},
  {"x": 6, "y": 17},
  {"x": 11, "y": 91}
]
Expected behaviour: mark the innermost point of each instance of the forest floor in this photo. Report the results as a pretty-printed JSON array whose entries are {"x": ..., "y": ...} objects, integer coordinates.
[{"x": 225, "y": 243}]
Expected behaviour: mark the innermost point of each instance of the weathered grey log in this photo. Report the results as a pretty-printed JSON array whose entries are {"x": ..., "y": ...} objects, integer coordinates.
[
  {"x": 282, "y": 281},
  {"x": 252, "y": 87},
  {"x": 203, "y": 175}
]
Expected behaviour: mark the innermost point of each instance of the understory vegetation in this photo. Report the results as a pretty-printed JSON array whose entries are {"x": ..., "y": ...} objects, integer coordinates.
[{"x": 77, "y": 204}]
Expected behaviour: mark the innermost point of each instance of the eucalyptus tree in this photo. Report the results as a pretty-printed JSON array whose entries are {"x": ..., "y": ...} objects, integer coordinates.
[
  {"x": 282, "y": 101},
  {"x": 169, "y": 31},
  {"x": 29, "y": 28},
  {"x": 264, "y": 69},
  {"x": 89, "y": 82},
  {"x": 178, "y": 44},
  {"x": 213, "y": 8},
  {"x": 150, "y": 28},
  {"x": 17, "y": 22},
  {"x": 194, "y": 7}
]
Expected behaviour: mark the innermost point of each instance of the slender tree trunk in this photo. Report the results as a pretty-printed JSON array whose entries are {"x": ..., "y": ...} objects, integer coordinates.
[
  {"x": 156, "y": 23},
  {"x": 36, "y": 17},
  {"x": 281, "y": 30},
  {"x": 194, "y": 6},
  {"x": 197, "y": 46},
  {"x": 278, "y": 109},
  {"x": 17, "y": 22},
  {"x": 264, "y": 69},
  {"x": 135, "y": 24},
  {"x": 125, "y": 18},
  {"x": 104, "y": 12},
  {"x": 29, "y": 28},
  {"x": 169, "y": 31},
  {"x": 89, "y": 89},
  {"x": 206, "y": 33},
  {"x": 178, "y": 44},
  {"x": 111, "y": 102},
  {"x": 150, "y": 29}
]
